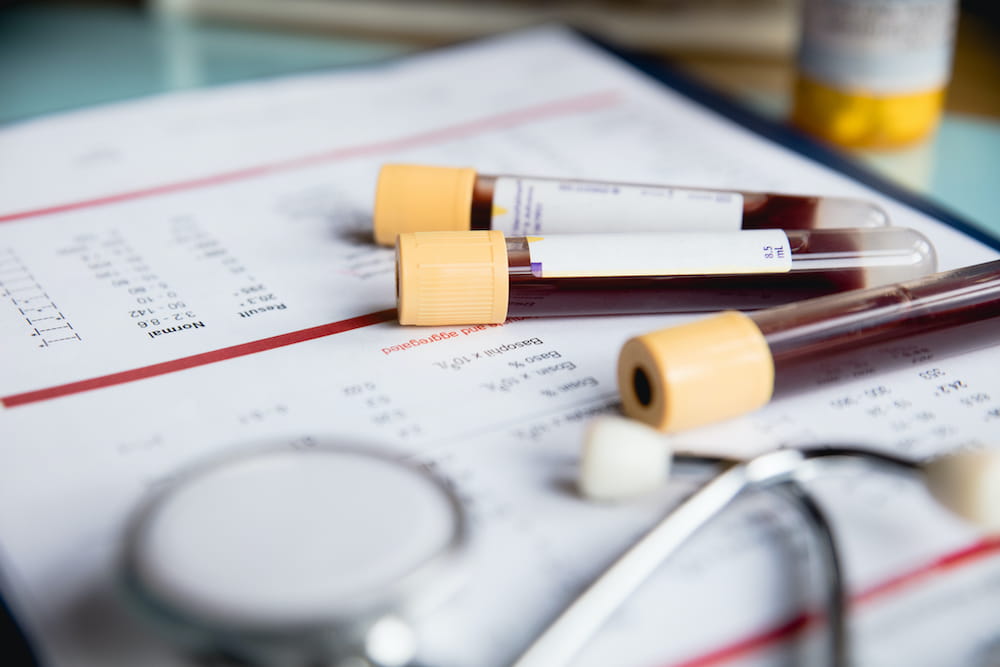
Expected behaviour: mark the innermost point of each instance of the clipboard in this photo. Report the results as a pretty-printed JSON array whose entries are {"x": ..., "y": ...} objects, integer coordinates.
[{"x": 714, "y": 103}]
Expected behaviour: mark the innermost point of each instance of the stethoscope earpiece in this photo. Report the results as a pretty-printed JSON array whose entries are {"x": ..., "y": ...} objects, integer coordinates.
[
  {"x": 967, "y": 483},
  {"x": 622, "y": 458}
]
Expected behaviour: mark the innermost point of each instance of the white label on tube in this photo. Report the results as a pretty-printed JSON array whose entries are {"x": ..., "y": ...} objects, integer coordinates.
[
  {"x": 673, "y": 253},
  {"x": 527, "y": 206}
]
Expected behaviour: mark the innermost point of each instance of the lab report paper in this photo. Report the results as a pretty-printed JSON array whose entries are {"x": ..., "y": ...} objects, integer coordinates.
[{"x": 190, "y": 275}]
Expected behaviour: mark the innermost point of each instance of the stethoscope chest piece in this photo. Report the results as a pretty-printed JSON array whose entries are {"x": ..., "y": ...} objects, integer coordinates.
[{"x": 283, "y": 557}]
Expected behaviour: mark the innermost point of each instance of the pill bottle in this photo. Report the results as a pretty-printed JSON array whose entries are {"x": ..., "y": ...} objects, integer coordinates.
[{"x": 873, "y": 73}]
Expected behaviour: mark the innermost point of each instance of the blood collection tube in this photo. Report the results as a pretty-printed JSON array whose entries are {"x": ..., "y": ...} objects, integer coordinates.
[
  {"x": 481, "y": 277},
  {"x": 417, "y": 198},
  {"x": 732, "y": 363}
]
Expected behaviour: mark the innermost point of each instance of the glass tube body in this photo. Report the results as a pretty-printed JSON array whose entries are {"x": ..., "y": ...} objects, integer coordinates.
[
  {"x": 823, "y": 262},
  {"x": 759, "y": 210},
  {"x": 968, "y": 298}
]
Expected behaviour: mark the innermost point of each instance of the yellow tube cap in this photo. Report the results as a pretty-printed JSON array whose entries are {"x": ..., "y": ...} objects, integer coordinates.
[
  {"x": 451, "y": 278},
  {"x": 697, "y": 373},
  {"x": 417, "y": 198}
]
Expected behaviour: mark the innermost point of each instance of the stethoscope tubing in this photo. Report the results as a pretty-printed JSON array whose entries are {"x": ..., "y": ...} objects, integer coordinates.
[{"x": 785, "y": 470}]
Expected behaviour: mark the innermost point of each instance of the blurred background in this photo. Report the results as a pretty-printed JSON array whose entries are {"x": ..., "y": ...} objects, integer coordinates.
[
  {"x": 55, "y": 54},
  {"x": 62, "y": 55}
]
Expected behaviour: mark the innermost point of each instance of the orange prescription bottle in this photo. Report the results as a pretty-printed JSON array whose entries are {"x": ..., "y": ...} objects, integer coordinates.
[
  {"x": 418, "y": 198},
  {"x": 872, "y": 73},
  {"x": 732, "y": 363},
  {"x": 481, "y": 277}
]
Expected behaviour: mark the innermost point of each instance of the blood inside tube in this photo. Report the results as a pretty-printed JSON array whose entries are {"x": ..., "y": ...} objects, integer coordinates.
[
  {"x": 532, "y": 296},
  {"x": 481, "y": 216},
  {"x": 937, "y": 317},
  {"x": 766, "y": 211}
]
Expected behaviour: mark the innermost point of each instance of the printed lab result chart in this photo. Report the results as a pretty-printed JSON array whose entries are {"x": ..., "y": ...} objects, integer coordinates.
[
  {"x": 535, "y": 542},
  {"x": 192, "y": 275}
]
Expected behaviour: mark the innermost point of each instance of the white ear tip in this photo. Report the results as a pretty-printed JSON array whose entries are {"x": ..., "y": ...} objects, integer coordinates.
[
  {"x": 622, "y": 458},
  {"x": 968, "y": 483}
]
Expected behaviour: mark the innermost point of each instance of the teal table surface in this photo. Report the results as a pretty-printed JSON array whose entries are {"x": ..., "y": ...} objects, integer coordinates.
[
  {"x": 972, "y": 188},
  {"x": 55, "y": 58}
]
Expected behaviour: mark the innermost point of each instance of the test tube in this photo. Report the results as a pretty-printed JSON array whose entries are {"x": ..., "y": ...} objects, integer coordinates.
[
  {"x": 417, "y": 198},
  {"x": 733, "y": 363},
  {"x": 482, "y": 277}
]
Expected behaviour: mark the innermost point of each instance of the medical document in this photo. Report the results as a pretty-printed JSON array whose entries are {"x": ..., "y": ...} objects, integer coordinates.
[{"x": 193, "y": 274}]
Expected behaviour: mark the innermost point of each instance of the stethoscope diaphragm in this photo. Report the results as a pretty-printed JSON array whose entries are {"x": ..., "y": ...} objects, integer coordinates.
[{"x": 288, "y": 557}]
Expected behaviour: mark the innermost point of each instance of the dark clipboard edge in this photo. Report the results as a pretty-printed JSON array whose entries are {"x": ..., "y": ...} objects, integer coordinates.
[
  {"x": 15, "y": 646},
  {"x": 714, "y": 101},
  {"x": 14, "y": 642}
]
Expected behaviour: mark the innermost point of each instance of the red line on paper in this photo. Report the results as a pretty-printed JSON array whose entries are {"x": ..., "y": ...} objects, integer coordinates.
[
  {"x": 750, "y": 644},
  {"x": 202, "y": 359},
  {"x": 506, "y": 119},
  {"x": 787, "y": 630}
]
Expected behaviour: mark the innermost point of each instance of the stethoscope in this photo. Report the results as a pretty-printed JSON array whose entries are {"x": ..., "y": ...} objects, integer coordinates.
[{"x": 244, "y": 557}]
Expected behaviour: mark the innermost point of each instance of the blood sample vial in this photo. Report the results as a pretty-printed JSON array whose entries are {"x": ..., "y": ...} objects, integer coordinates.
[
  {"x": 416, "y": 198},
  {"x": 483, "y": 277},
  {"x": 732, "y": 363}
]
